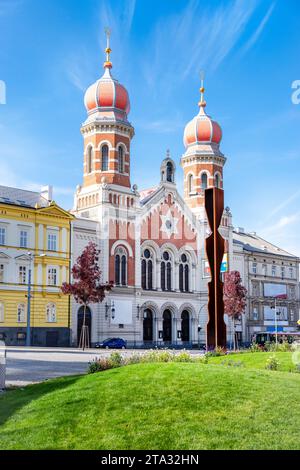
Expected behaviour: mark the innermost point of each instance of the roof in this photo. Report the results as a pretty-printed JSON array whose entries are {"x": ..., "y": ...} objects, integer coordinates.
[
  {"x": 145, "y": 195},
  {"x": 252, "y": 243},
  {"x": 22, "y": 197}
]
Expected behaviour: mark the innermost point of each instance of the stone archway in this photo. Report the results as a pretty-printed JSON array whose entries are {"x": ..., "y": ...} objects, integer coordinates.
[
  {"x": 185, "y": 326},
  {"x": 88, "y": 322},
  {"x": 148, "y": 325},
  {"x": 167, "y": 326}
]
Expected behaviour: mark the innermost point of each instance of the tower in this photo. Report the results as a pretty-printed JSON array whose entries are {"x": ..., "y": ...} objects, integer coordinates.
[
  {"x": 202, "y": 161},
  {"x": 106, "y": 132}
]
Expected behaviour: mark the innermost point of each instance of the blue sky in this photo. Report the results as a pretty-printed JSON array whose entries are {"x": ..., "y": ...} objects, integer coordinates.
[{"x": 51, "y": 51}]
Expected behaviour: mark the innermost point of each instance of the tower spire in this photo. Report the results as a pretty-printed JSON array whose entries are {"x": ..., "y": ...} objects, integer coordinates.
[
  {"x": 202, "y": 102},
  {"x": 107, "y": 63}
]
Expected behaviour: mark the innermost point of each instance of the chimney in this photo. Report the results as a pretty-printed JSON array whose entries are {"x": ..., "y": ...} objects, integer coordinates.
[{"x": 47, "y": 192}]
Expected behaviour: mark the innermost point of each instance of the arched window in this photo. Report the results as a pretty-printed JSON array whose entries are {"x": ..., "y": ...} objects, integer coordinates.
[
  {"x": 1, "y": 312},
  {"x": 166, "y": 272},
  {"x": 51, "y": 313},
  {"x": 121, "y": 267},
  {"x": 21, "y": 313},
  {"x": 217, "y": 180},
  {"x": 90, "y": 155},
  {"x": 204, "y": 181},
  {"x": 190, "y": 183},
  {"x": 104, "y": 158},
  {"x": 170, "y": 172},
  {"x": 147, "y": 270},
  {"x": 184, "y": 274},
  {"x": 121, "y": 160}
]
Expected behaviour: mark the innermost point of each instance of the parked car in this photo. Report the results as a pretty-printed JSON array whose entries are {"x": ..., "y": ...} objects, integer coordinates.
[{"x": 112, "y": 343}]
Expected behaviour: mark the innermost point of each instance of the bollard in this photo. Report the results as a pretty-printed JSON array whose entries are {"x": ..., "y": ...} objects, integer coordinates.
[{"x": 2, "y": 365}]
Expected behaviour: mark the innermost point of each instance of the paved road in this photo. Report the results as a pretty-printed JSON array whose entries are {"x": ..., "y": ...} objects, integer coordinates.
[{"x": 31, "y": 365}]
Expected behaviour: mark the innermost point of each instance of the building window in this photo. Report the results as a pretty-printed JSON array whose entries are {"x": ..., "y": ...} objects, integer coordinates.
[
  {"x": 166, "y": 272},
  {"x": 170, "y": 172},
  {"x": 264, "y": 269},
  {"x": 21, "y": 313},
  {"x": 90, "y": 155},
  {"x": 282, "y": 272},
  {"x": 254, "y": 268},
  {"x": 292, "y": 314},
  {"x": 1, "y": 272},
  {"x": 121, "y": 267},
  {"x": 1, "y": 312},
  {"x": 217, "y": 180},
  {"x": 2, "y": 236},
  {"x": 184, "y": 274},
  {"x": 104, "y": 158},
  {"x": 204, "y": 181},
  {"x": 273, "y": 271},
  {"x": 121, "y": 160},
  {"x": 291, "y": 270},
  {"x": 147, "y": 270},
  {"x": 255, "y": 314},
  {"x": 52, "y": 277},
  {"x": 22, "y": 274},
  {"x": 292, "y": 292},
  {"x": 23, "y": 239},
  {"x": 51, "y": 313},
  {"x": 255, "y": 289},
  {"x": 190, "y": 183},
  {"x": 52, "y": 242}
]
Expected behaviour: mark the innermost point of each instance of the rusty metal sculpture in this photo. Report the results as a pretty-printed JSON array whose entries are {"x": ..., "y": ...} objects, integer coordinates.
[{"x": 216, "y": 327}]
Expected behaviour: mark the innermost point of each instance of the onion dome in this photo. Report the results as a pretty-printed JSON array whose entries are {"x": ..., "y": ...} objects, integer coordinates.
[
  {"x": 202, "y": 129},
  {"x": 107, "y": 96}
]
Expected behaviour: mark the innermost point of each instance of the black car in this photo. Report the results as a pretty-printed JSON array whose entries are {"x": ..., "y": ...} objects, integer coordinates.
[{"x": 112, "y": 343}]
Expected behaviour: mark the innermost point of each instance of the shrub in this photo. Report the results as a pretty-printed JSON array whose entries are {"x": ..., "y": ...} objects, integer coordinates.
[
  {"x": 98, "y": 365},
  {"x": 183, "y": 356},
  {"x": 256, "y": 347},
  {"x": 272, "y": 363},
  {"x": 218, "y": 351},
  {"x": 158, "y": 356},
  {"x": 133, "y": 359},
  {"x": 285, "y": 346},
  {"x": 116, "y": 359}
]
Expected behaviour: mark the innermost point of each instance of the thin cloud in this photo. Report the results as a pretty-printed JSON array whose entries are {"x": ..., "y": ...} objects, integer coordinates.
[
  {"x": 195, "y": 39},
  {"x": 83, "y": 68},
  {"x": 250, "y": 43},
  {"x": 283, "y": 223},
  {"x": 284, "y": 204}
]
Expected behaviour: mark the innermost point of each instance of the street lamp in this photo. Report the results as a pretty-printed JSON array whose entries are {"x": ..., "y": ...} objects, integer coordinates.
[{"x": 29, "y": 295}]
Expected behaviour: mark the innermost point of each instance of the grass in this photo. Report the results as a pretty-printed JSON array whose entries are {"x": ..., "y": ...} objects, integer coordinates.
[
  {"x": 258, "y": 360},
  {"x": 157, "y": 406}
]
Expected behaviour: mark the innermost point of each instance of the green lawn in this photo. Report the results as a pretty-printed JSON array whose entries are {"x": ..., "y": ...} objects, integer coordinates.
[
  {"x": 257, "y": 360},
  {"x": 156, "y": 406}
]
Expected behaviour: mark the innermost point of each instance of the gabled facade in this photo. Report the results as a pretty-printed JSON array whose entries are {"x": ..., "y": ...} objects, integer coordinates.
[{"x": 34, "y": 237}]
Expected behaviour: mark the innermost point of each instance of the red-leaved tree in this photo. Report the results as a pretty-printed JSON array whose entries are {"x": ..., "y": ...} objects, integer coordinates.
[
  {"x": 86, "y": 287},
  {"x": 235, "y": 298}
]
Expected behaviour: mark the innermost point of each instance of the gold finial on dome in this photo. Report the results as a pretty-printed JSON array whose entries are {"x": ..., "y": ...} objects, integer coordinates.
[
  {"x": 107, "y": 63},
  {"x": 202, "y": 102}
]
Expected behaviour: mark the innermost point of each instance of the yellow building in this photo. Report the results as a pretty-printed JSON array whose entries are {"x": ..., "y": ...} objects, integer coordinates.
[{"x": 34, "y": 238}]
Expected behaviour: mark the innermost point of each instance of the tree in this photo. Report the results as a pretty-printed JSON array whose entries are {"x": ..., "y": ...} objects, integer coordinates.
[
  {"x": 87, "y": 287},
  {"x": 235, "y": 297}
]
